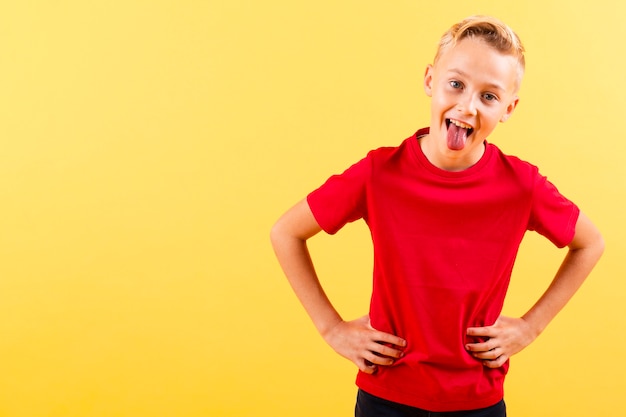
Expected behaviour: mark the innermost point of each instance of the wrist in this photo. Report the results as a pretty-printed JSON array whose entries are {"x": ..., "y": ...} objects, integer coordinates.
[
  {"x": 534, "y": 327},
  {"x": 326, "y": 328}
]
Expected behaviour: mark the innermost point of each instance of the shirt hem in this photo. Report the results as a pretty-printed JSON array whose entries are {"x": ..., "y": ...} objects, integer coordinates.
[{"x": 428, "y": 404}]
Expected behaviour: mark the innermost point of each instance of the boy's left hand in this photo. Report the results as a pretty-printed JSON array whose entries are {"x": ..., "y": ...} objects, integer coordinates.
[{"x": 504, "y": 339}]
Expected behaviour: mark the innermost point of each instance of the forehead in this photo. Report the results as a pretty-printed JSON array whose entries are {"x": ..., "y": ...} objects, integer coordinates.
[{"x": 476, "y": 61}]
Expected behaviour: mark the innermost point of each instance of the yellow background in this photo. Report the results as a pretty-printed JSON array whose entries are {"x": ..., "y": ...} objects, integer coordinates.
[{"x": 146, "y": 148}]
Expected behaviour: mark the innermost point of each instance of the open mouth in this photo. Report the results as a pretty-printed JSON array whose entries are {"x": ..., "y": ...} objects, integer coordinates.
[{"x": 460, "y": 124}]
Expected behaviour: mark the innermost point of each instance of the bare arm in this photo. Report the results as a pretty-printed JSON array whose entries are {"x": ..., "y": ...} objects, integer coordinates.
[
  {"x": 509, "y": 335},
  {"x": 356, "y": 340}
]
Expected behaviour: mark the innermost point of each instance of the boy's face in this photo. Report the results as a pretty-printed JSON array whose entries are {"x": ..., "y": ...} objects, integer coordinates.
[{"x": 473, "y": 87}]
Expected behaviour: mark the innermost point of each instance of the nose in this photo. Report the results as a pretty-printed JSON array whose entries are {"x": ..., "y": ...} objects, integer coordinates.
[{"x": 467, "y": 104}]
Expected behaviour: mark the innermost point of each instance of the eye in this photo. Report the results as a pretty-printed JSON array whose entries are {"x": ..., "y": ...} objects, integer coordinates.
[
  {"x": 489, "y": 97},
  {"x": 456, "y": 84}
]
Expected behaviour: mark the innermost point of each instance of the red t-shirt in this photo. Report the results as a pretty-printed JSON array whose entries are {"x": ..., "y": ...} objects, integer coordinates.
[{"x": 444, "y": 247}]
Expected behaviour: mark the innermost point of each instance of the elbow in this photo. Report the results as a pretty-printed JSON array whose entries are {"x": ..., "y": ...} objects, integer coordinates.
[
  {"x": 275, "y": 234},
  {"x": 600, "y": 245},
  {"x": 280, "y": 233},
  {"x": 597, "y": 243}
]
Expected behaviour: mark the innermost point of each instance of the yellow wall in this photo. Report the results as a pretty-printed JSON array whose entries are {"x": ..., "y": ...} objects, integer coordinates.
[{"x": 146, "y": 148}]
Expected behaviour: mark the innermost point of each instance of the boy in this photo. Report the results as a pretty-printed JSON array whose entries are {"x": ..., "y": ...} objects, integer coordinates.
[{"x": 447, "y": 211}]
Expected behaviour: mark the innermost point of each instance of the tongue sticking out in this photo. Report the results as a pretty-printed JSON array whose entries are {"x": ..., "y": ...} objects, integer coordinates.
[{"x": 456, "y": 137}]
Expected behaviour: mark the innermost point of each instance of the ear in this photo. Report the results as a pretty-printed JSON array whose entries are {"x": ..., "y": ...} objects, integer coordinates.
[
  {"x": 509, "y": 109},
  {"x": 428, "y": 81}
]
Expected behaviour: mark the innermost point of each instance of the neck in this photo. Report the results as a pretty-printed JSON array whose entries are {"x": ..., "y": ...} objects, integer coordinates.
[{"x": 446, "y": 159}]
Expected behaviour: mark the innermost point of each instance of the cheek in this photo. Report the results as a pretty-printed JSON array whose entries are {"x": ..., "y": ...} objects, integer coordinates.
[
  {"x": 440, "y": 103},
  {"x": 492, "y": 117}
]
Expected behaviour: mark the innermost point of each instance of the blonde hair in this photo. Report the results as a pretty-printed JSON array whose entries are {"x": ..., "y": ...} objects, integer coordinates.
[{"x": 489, "y": 29}]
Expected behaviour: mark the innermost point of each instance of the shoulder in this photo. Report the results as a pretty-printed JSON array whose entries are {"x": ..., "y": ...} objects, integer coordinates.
[
  {"x": 513, "y": 163},
  {"x": 385, "y": 154}
]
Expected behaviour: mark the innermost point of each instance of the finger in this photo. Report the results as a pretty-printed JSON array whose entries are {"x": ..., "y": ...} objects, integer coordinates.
[
  {"x": 489, "y": 355},
  {"x": 481, "y": 347},
  {"x": 366, "y": 366},
  {"x": 377, "y": 359},
  {"x": 496, "y": 363},
  {"x": 387, "y": 338},
  {"x": 385, "y": 350},
  {"x": 481, "y": 331}
]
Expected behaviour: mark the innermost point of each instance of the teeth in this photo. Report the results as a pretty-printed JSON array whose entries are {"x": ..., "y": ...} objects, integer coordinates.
[{"x": 460, "y": 124}]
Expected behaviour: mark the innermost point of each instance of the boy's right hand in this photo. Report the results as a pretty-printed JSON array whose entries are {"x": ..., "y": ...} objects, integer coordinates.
[{"x": 367, "y": 347}]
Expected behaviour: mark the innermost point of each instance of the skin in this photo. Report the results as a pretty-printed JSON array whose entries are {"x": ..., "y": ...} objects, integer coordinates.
[
  {"x": 355, "y": 340},
  {"x": 476, "y": 85}
]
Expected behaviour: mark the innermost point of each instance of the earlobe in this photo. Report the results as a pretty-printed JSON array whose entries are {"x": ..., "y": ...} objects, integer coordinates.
[{"x": 428, "y": 81}]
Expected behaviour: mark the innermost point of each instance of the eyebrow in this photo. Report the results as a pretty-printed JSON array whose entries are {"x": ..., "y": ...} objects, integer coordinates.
[{"x": 491, "y": 84}]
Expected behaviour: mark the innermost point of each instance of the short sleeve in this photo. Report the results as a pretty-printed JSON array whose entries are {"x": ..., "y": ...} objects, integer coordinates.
[
  {"x": 342, "y": 198},
  {"x": 552, "y": 214}
]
